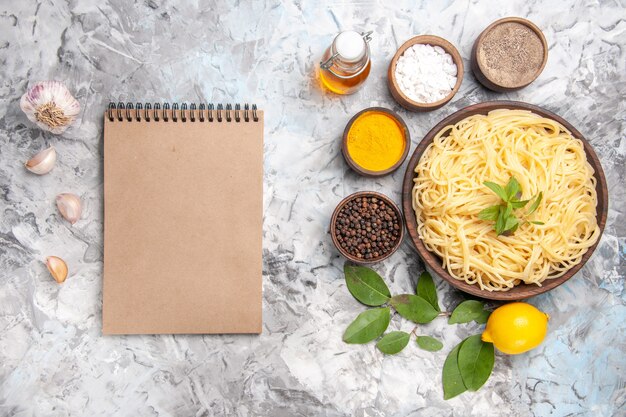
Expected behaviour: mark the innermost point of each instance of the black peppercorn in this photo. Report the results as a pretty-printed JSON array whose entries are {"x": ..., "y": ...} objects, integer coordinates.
[{"x": 367, "y": 228}]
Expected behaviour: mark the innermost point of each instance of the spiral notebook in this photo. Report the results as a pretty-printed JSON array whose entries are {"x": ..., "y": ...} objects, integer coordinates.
[{"x": 183, "y": 191}]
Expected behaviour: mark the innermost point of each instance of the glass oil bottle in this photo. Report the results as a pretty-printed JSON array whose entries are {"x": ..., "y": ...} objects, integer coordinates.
[{"x": 346, "y": 63}]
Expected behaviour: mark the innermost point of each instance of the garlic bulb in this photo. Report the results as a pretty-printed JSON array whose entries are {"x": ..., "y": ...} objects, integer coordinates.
[
  {"x": 69, "y": 206},
  {"x": 42, "y": 162},
  {"x": 50, "y": 105},
  {"x": 57, "y": 268}
]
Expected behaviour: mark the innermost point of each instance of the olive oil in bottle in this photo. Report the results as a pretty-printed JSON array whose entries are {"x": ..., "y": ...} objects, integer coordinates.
[{"x": 346, "y": 63}]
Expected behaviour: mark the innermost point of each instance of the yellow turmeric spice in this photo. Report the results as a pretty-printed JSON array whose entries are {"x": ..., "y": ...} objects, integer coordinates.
[{"x": 376, "y": 141}]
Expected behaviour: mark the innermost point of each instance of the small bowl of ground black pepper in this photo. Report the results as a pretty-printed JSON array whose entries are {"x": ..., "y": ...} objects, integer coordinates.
[
  {"x": 367, "y": 227},
  {"x": 509, "y": 54}
]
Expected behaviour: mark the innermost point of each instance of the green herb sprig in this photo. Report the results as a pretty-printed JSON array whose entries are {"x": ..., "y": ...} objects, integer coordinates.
[
  {"x": 467, "y": 366},
  {"x": 503, "y": 214}
]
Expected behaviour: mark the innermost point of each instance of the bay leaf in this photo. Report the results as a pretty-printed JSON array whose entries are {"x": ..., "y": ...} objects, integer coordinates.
[
  {"x": 483, "y": 317},
  {"x": 429, "y": 343},
  {"x": 393, "y": 342},
  {"x": 476, "y": 359},
  {"x": 427, "y": 290},
  {"x": 414, "y": 308},
  {"x": 366, "y": 285},
  {"x": 452, "y": 380},
  {"x": 466, "y": 312},
  {"x": 368, "y": 325}
]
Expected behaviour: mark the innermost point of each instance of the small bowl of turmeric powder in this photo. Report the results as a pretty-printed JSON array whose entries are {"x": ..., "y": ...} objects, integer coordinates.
[{"x": 376, "y": 142}]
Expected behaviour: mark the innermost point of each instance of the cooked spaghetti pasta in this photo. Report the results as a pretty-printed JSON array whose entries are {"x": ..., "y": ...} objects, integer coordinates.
[{"x": 449, "y": 193}]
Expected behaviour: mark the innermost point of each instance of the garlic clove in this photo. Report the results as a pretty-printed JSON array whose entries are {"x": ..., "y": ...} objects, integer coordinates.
[
  {"x": 43, "y": 162},
  {"x": 69, "y": 206},
  {"x": 50, "y": 105},
  {"x": 57, "y": 267}
]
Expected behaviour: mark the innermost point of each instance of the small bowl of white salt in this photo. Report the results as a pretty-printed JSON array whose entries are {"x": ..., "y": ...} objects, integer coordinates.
[{"x": 425, "y": 73}]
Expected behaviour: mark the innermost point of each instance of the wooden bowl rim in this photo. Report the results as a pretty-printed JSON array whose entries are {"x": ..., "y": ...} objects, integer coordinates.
[
  {"x": 428, "y": 40},
  {"x": 434, "y": 262},
  {"x": 521, "y": 21},
  {"x": 366, "y": 172},
  {"x": 388, "y": 201}
]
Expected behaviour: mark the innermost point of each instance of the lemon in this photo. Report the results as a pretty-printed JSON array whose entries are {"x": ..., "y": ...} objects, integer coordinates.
[{"x": 516, "y": 328}]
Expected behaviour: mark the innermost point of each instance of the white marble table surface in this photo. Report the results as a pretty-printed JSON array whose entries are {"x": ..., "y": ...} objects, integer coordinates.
[{"x": 54, "y": 360}]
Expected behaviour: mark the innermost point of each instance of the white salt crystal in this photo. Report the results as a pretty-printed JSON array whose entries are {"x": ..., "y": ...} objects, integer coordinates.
[{"x": 426, "y": 74}]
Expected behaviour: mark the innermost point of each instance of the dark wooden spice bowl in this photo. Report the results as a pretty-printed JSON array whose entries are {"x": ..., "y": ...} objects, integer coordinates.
[
  {"x": 333, "y": 226},
  {"x": 366, "y": 172},
  {"x": 394, "y": 88},
  {"x": 433, "y": 262},
  {"x": 479, "y": 67}
]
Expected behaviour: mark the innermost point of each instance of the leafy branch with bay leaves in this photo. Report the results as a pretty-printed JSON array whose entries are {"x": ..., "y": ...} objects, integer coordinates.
[{"x": 468, "y": 365}]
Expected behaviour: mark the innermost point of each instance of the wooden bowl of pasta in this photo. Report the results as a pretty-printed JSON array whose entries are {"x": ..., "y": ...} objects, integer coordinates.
[{"x": 443, "y": 192}]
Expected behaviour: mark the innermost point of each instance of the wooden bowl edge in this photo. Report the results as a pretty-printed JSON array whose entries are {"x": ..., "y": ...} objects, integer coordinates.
[
  {"x": 387, "y": 200},
  {"x": 433, "y": 40},
  {"x": 477, "y": 68},
  {"x": 366, "y": 172}
]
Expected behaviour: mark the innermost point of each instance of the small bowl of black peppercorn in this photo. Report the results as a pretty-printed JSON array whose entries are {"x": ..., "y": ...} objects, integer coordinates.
[{"x": 367, "y": 227}]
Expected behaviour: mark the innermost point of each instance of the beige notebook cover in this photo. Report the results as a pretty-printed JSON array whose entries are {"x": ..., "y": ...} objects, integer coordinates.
[{"x": 182, "y": 221}]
